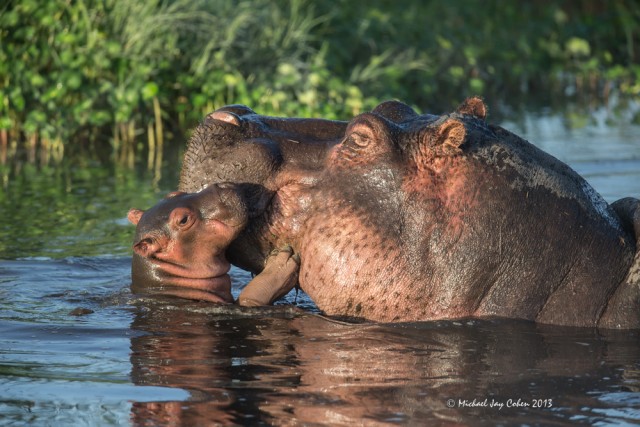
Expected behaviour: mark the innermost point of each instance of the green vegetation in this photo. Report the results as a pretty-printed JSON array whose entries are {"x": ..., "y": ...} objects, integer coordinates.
[{"x": 89, "y": 74}]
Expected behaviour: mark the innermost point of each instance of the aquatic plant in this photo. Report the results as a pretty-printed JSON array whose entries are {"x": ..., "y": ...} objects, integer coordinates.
[{"x": 81, "y": 76}]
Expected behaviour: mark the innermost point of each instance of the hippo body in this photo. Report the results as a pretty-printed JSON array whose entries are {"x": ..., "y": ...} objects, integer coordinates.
[{"x": 411, "y": 217}]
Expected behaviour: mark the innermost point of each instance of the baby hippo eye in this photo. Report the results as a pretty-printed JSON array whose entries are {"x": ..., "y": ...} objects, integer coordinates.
[{"x": 182, "y": 218}]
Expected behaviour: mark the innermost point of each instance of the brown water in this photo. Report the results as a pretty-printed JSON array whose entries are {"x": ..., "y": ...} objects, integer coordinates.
[{"x": 129, "y": 361}]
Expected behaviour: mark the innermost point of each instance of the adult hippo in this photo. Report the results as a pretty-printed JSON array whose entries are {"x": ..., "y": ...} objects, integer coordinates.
[{"x": 417, "y": 217}]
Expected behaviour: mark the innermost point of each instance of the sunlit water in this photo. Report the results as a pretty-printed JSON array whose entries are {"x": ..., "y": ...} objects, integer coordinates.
[{"x": 77, "y": 348}]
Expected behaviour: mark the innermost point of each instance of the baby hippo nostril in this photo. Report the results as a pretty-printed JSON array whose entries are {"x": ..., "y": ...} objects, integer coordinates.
[{"x": 146, "y": 247}]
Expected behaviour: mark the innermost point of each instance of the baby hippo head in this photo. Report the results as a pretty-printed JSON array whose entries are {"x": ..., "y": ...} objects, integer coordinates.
[{"x": 179, "y": 245}]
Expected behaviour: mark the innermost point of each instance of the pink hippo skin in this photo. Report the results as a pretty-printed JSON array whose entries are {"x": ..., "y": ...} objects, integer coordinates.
[
  {"x": 419, "y": 217},
  {"x": 183, "y": 240}
]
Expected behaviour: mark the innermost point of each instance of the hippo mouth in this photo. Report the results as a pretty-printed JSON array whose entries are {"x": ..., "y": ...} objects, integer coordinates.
[
  {"x": 195, "y": 277},
  {"x": 208, "y": 283}
]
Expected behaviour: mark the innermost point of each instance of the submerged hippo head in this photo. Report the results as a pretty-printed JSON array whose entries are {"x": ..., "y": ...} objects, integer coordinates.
[{"x": 179, "y": 245}]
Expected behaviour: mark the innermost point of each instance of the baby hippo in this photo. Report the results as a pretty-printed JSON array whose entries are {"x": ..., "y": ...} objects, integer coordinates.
[{"x": 180, "y": 243}]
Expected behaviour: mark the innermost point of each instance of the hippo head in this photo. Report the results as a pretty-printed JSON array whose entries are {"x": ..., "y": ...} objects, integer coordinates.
[
  {"x": 260, "y": 155},
  {"x": 180, "y": 243}
]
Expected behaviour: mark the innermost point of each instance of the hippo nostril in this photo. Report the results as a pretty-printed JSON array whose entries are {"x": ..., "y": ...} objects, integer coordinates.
[{"x": 146, "y": 247}]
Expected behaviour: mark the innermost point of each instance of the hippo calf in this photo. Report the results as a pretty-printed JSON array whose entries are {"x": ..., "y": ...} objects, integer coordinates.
[
  {"x": 180, "y": 247},
  {"x": 407, "y": 217}
]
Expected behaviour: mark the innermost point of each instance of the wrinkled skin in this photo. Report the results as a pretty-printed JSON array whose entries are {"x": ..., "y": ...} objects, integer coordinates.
[{"x": 418, "y": 217}]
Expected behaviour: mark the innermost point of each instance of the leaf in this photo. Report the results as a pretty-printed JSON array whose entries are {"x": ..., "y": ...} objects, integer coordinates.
[
  {"x": 149, "y": 91},
  {"x": 16, "y": 98},
  {"x": 5, "y": 123},
  {"x": 578, "y": 47}
]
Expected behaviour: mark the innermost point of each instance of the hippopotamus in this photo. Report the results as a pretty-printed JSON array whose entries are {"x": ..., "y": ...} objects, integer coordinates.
[
  {"x": 181, "y": 243},
  {"x": 399, "y": 216},
  {"x": 184, "y": 239}
]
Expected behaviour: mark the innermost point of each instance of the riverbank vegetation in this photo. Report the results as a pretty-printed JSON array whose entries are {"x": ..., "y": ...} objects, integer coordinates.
[{"x": 123, "y": 77}]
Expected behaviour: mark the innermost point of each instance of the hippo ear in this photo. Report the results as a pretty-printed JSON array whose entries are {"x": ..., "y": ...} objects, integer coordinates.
[
  {"x": 225, "y": 116},
  {"x": 395, "y": 111},
  {"x": 134, "y": 216},
  {"x": 451, "y": 135},
  {"x": 474, "y": 106}
]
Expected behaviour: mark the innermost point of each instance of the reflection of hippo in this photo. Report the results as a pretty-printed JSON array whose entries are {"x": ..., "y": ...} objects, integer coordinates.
[
  {"x": 416, "y": 217},
  {"x": 309, "y": 371}
]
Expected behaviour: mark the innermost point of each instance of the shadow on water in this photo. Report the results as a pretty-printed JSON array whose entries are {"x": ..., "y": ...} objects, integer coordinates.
[{"x": 78, "y": 349}]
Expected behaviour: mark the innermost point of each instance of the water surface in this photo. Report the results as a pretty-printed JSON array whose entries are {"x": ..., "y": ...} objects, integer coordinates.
[{"x": 77, "y": 348}]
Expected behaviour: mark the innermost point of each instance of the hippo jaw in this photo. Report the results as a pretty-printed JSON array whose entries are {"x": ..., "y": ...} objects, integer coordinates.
[
  {"x": 148, "y": 277},
  {"x": 210, "y": 284}
]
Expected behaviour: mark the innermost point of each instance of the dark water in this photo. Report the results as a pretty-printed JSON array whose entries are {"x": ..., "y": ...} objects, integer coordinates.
[{"x": 77, "y": 348}]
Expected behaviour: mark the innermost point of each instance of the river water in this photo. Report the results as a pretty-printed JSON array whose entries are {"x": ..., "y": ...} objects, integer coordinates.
[{"x": 76, "y": 348}]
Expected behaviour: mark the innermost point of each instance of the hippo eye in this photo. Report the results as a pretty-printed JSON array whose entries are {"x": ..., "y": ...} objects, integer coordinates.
[
  {"x": 357, "y": 140},
  {"x": 184, "y": 220}
]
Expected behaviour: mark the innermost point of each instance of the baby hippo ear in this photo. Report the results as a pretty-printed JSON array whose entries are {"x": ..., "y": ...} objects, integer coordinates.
[
  {"x": 134, "y": 216},
  {"x": 474, "y": 106},
  {"x": 451, "y": 136}
]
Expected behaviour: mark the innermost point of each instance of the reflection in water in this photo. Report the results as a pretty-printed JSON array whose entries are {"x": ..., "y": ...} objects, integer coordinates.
[
  {"x": 152, "y": 365},
  {"x": 308, "y": 370}
]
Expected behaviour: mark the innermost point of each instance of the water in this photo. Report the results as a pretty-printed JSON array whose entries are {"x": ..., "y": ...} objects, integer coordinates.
[{"x": 78, "y": 349}]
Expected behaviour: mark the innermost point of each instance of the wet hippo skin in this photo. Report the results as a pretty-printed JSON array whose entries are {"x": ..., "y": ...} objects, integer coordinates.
[{"x": 401, "y": 217}]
